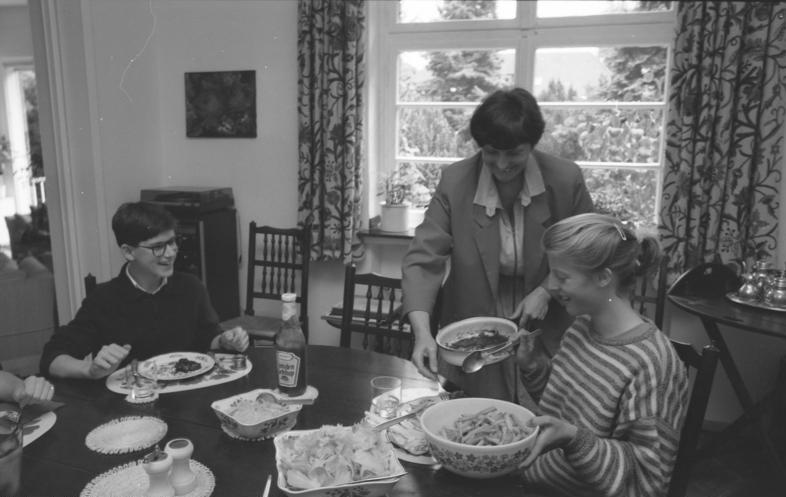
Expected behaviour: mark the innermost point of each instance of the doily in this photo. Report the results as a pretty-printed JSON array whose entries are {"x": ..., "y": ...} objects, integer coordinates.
[
  {"x": 127, "y": 434},
  {"x": 131, "y": 480}
]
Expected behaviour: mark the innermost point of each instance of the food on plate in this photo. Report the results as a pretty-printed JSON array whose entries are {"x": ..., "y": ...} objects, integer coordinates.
[
  {"x": 408, "y": 435},
  {"x": 334, "y": 455},
  {"x": 477, "y": 339},
  {"x": 250, "y": 412},
  {"x": 487, "y": 427},
  {"x": 186, "y": 365}
]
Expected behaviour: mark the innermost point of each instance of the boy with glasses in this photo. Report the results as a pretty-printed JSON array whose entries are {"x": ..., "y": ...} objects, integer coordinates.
[{"x": 146, "y": 310}]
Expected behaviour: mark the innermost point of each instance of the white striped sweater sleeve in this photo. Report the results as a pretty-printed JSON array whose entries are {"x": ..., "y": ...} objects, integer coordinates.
[{"x": 628, "y": 400}]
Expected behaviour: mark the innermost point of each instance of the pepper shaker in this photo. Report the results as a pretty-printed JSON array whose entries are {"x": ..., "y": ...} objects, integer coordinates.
[
  {"x": 158, "y": 465},
  {"x": 182, "y": 478}
]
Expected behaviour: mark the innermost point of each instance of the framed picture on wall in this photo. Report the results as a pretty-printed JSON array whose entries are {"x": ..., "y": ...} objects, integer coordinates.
[{"x": 221, "y": 104}]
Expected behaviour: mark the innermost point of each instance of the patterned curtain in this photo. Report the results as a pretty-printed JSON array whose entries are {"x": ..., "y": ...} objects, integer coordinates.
[
  {"x": 330, "y": 84},
  {"x": 725, "y": 133}
]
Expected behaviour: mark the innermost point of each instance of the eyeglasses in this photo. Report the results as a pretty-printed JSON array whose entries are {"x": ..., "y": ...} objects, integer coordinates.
[{"x": 159, "y": 249}]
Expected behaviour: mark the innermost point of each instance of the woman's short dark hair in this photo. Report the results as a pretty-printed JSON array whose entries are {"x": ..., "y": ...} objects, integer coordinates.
[
  {"x": 135, "y": 222},
  {"x": 506, "y": 119}
]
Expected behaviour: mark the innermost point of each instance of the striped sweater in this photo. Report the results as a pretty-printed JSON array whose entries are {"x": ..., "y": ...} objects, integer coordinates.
[{"x": 627, "y": 397}]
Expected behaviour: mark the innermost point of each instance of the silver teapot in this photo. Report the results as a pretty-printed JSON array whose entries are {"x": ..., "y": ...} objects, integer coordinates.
[
  {"x": 776, "y": 293},
  {"x": 748, "y": 291},
  {"x": 762, "y": 277}
]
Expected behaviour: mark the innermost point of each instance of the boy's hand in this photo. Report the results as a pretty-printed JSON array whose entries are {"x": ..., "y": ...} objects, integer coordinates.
[
  {"x": 106, "y": 361},
  {"x": 234, "y": 339}
]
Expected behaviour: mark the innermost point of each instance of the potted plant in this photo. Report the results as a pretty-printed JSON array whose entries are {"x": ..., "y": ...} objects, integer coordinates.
[{"x": 406, "y": 196}]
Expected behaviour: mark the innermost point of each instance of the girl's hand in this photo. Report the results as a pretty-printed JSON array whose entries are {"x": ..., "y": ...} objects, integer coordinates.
[
  {"x": 529, "y": 349},
  {"x": 533, "y": 306},
  {"x": 106, "y": 361},
  {"x": 553, "y": 433}
]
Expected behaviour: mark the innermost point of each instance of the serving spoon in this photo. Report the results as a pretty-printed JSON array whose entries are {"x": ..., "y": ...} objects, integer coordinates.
[
  {"x": 283, "y": 401},
  {"x": 475, "y": 360}
]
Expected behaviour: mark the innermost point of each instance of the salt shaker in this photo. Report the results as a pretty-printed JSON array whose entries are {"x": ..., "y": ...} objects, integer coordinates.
[
  {"x": 158, "y": 465},
  {"x": 182, "y": 478}
]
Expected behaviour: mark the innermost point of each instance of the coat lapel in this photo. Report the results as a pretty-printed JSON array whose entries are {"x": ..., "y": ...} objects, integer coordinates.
[{"x": 537, "y": 217}]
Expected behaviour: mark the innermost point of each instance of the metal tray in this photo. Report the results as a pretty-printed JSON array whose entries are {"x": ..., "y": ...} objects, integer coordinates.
[{"x": 753, "y": 303}]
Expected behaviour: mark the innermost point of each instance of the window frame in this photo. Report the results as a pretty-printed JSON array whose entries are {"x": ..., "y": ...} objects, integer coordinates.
[{"x": 525, "y": 34}]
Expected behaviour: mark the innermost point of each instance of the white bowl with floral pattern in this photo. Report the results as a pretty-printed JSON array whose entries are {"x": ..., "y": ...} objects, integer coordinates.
[
  {"x": 476, "y": 461},
  {"x": 254, "y": 428}
]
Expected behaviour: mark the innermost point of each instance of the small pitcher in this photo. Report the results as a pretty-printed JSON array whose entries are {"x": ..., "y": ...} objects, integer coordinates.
[{"x": 762, "y": 277}]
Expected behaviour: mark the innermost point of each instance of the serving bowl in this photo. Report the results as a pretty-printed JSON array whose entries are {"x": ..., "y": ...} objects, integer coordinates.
[
  {"x": 475, "y": 461},
  {"x": 260, "y": 427},
  {"x": 298, "y": 443},
  {"x": 467, "y": 327}
]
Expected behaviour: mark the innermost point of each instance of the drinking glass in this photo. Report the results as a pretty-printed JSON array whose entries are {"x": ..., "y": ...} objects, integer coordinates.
[
  {"x": 386, "y": 395},
  {"x": 143, "y": 387},
  {"x": 10, "y": 457}
]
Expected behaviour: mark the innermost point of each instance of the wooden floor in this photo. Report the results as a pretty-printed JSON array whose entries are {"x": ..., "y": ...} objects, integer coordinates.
[{"x": 737, "y": 468}]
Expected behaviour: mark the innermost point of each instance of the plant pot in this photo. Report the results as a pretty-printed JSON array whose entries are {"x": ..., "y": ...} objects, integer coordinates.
[{"x": 395, "y": 218}]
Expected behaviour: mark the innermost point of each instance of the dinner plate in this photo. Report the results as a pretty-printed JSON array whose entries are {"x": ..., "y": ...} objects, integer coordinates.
[
  {"x": 409, "y": 396},
  {"x": 162, "y": 367}
]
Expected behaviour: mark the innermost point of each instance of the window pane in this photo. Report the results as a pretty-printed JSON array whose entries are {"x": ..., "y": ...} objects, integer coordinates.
[
  {"x": 455, "y": 10},
  {"x": 435, "y": 133},
  {"x": 453, "y": 75},
  {"x": 412, "y": 182},
  {"x": 624, "y": 74},
  {"x": 603, "y": 135},
  {"x": 628, "y": 194},
  {"x": 557, "y": 8}
]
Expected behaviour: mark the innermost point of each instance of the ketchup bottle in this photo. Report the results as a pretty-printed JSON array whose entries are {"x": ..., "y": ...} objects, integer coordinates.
[{"x": 291, "y": 358}]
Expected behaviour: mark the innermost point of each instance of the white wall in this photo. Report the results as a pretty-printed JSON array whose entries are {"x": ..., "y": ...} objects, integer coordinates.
[{"x": 118, "y": 144}]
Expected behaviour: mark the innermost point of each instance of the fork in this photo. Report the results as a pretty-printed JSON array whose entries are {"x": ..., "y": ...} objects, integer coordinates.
[{"x": 267, "y": 486}]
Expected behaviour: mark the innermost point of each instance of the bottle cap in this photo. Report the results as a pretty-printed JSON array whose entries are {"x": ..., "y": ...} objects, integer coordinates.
[{"x": 288, "y": 297}]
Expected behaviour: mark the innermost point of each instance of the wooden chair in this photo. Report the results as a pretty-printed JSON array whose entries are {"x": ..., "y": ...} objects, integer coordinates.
[
  {"x": 649, "y": 294},
  {"x": 701, "y": 367},
  {"x": 710, "y": 279},
  {"x": 371, "y": 307},
  {"x": 278, "y": 262}
]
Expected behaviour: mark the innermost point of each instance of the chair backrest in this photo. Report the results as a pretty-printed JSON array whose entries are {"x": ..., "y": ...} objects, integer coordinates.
[
  {"x": 372, "y": 307},
  {"x": 711, "y": 279},
  {"x": 701, "y": 368},
  {"x": 649, "y": 294},
  {"x": 90, "y": 283},
  {"x": 278, "y": 262}
]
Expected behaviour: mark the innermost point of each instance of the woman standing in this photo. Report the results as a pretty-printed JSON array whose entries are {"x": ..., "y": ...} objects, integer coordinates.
[{"x": 481, "y": 236}]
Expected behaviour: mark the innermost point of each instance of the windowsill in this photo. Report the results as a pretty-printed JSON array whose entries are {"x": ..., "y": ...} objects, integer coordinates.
[{"x": 379, "y": 237}]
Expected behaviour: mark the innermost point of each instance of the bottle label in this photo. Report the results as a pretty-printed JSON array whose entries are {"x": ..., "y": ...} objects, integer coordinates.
[{"x": 288, "y": 368}]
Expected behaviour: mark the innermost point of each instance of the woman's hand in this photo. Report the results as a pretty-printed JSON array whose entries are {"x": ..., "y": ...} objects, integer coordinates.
[
  {"x": 553, "y": 433},
  {"x": 424, "y": 352},
  {"x": 533, "y": 306}
]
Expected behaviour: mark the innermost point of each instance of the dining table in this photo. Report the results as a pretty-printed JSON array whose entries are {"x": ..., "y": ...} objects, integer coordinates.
[
  {"x": 59, "y": 463},
  {"x": 715, "y": 310}
]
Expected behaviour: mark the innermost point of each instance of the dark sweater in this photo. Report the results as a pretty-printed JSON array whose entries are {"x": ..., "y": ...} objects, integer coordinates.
[{"x": 179, "y": 317}]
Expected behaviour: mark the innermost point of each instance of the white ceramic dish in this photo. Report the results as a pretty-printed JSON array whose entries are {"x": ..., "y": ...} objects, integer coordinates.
[
  {"x": 465, "y": 327},
  {"x": 162, "y": 367},
  {"x": 374, "y": 487},
  {"x": 471, "y": 460},
  {"x": 260, "y": 429}
]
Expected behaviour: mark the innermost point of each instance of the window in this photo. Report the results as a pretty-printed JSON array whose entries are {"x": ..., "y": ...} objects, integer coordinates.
[{"x": 598, "y": 70}]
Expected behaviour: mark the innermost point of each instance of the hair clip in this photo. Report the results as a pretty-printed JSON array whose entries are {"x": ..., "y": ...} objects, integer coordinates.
[{"x": 621, "y": 232}]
